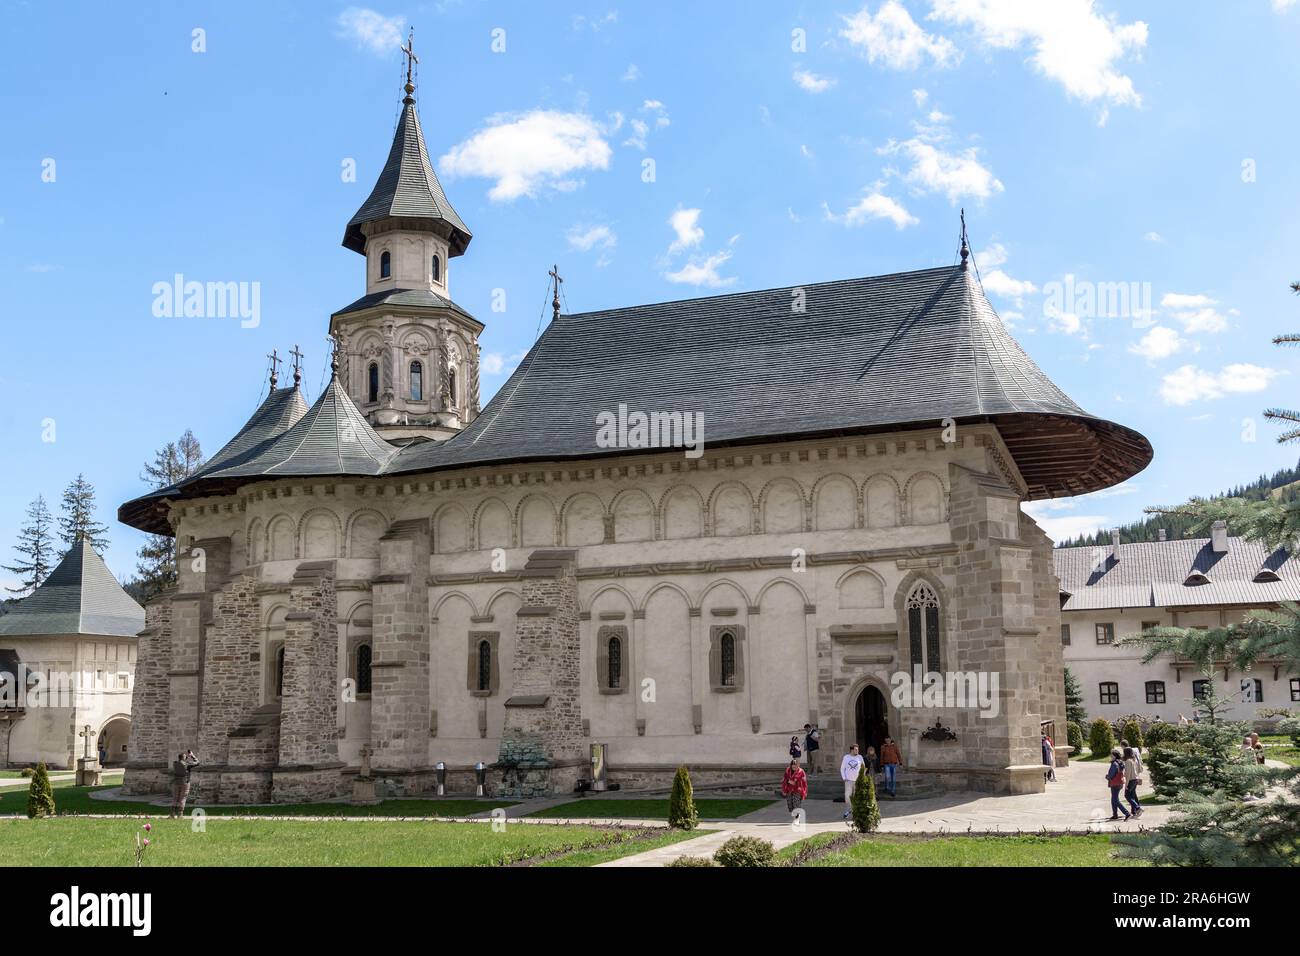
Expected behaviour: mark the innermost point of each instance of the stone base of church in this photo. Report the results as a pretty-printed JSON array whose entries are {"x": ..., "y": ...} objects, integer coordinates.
[
  {"x": 141, "y": 779},
  {"x": 308, "y": 784},
  {"x": 246, "y": 786},
  {"x": 660, "y": 776}
]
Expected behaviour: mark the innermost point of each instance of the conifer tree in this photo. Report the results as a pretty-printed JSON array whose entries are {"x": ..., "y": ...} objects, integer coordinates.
[
  {"x": 1075, "y": 712},
  {"x": 78, "y": 519},
  {"x": 173, "y": 462},
  {"x": 681, "y": 805},
  {"x": 40, "y": 795},
  {"x": 865, "y": 810},
  {"x": 35, "y": 548}
]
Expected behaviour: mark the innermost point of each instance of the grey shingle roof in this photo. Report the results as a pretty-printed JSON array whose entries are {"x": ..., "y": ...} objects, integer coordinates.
[
  {"x": 403, "y": 298},
  {"x": 1152, "y": 574},
  {"x": 408, "y": 188},
  {"x": 279, "y": 412},
  {"x": 80, "y": 596},
  {"x": 865, "y": 355}
]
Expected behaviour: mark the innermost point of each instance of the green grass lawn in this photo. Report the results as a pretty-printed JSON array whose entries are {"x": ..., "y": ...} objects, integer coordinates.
[
  {"x": 73, "y": 800},
  {"x": 1288, "y": 754},
  {"x": 648, "y": 809},
  {"x": 891, "y": 850},
  {"x": 599, "y": 855},
  {"x": 80, "y": 842}
]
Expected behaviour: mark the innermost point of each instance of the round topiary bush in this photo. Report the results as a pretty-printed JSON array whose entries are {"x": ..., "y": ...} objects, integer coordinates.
[
  {"x": 1074, "y": 737},
  {"x": 1161, "y": 732},
  {"x": 746, "y": 851},
  {"x": 692, "y": 861},
  {"x": 1132, "y": 733},
  {"x": 1101, "y": 739},
  {"x": 1291, "y": 727}
]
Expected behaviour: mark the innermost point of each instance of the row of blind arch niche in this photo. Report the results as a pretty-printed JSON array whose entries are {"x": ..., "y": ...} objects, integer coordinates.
[
  {"x": 319, "y": 534},
  {"x": 683, "y": 512}
]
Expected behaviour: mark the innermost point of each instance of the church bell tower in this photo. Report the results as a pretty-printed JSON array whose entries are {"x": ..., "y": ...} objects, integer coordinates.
[{"x": 409, "y": 356}]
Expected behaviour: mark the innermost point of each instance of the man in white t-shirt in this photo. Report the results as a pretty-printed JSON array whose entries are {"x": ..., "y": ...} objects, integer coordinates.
[{"x": 849, "y": 767}]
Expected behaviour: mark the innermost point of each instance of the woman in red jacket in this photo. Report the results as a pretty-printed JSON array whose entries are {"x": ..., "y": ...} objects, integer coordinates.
[{"x": 794, "y": 785}]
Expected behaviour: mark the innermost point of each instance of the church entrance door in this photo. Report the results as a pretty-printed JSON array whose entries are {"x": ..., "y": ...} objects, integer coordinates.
[{"x": 872, "y": 719}]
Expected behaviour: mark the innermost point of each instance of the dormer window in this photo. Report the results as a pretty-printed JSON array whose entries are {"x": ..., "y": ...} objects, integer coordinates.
[
  {"x": 417, "y": 382},
  {"x": 436, "y": 271},
  {"x": 372, "y": 381},
  {"x": 385, "y": 265},
  {"x": 1195, "y": 579},
  {"x": 1266, "y": 576}
]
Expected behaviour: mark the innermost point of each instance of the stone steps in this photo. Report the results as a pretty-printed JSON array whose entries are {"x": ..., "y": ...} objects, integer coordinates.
[{"x": 829, "y": 786}]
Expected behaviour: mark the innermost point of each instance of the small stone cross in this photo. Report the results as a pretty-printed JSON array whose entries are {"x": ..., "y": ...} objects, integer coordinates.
[
  {"x": 87, "y": 735},
  {"x": 366, "y": 754}
]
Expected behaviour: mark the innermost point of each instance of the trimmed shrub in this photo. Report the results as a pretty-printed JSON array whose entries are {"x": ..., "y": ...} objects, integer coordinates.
[
  {"x": 745, "y": 851},
  {"x": 1291, "y": 727},
  {"x": 681, "y": 805},
  {"x": 1132, "y": 733},
  {"x": 40, "y": 795},
  {"x": 692, "y": 861},
  {"x": 1101, "y": 739},
  {"x": 866, "y": 813},
  {"x": 27, "y": 773},
  {"x": 1074, "y": 737}
]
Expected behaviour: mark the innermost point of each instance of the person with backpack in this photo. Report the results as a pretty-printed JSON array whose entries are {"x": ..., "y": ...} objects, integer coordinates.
[
  {"x": 795, "y": 752},
  {"x": 794, "y": 786},
  {"x": 811, "y": 744},
  {"x": 1115, "y": 778},
  {"x": 1132, "y": 777}
]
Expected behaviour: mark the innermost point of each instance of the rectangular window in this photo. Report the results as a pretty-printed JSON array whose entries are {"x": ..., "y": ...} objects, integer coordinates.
[
  {"x": 1065, "y": 635},
  {"x": 1252, "y": 691},
  {"x": 1109, "y": 692},
  {"x": 1155, "y": 692},
  {"x": 1148, "y": 625},
  {"x": 1295, "y": 688},
  {"x": 1199, "y": 688},
  {"x": 1105, "y": 633}
]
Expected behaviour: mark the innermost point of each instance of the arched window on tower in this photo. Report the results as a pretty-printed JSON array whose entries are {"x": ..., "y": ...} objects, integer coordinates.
[
  {"x": 923, "y": 628},
  {"x": 417, "y": 382},
  {"x": 385, "y": 264},
  {"x": 437, "y": 269},
  {"x": 372, "y": 382},
  {"x": 451, "y": 387},
  {"x": 728, "y": 654},
  {"x": 363, "y": 669},
  {"x": 279, "y": 672},
  {"x": 484, "y": 665},
  {"x": 615, "y": 657}
]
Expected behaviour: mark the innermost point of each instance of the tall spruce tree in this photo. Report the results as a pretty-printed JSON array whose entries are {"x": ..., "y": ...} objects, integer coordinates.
[
  {"x": 35, "y": 548},
  {"x": 78, "y": 519},
  {"x": 1075, "y": 712},
  {"x": 173, "y": 462}
]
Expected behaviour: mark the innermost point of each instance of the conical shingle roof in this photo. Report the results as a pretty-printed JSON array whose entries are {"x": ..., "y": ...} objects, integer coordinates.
[{"x": 80, "y": 596}]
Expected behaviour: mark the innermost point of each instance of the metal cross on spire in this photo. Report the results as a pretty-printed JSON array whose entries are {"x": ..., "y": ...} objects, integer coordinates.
[
  {"x": 274, "y": 356},
  {"x": 555, "y": 298},
  {"x": 297, "y": 366},
  {"x": 965, "y": 248},
  {"x": 411, "y": 61}
]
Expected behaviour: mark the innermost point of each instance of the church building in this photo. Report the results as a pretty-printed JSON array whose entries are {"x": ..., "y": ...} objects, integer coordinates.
[{"x": 398, "y": 576}]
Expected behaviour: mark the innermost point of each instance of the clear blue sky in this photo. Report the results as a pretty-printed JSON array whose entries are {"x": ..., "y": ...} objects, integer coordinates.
[{"x": 1114, "y": 142}]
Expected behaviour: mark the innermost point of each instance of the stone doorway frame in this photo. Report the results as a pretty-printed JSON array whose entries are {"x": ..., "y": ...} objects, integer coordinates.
[{"x": 849, "y": 709}]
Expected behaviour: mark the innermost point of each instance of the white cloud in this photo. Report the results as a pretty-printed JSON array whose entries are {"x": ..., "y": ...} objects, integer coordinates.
[
  {"x": 491, "y": 363},
  {"x": 874, "y": 205},
  {"x": 639, "y": 132},
  {"x": 586, "y": 238},
  {"x": 685, "y": 223},
  {"x": 531, "y": 152},
  {"x": 892, "y": 37},
  {"x": 1159, "y": 343},
  {"x": 1153, "y": 236},
  {"x": 1001, "y": 284},
  {"x": 1197, "y": 313},
  {"x": 372, "y": 31},
  {"x": 812, "y": 83},
  {"x": 633, "y": 72},
  {"x": 957, "y": 175},
  {"x": 702, "y": 272},
  {"x": 920, "y": 96},
  {"x": 1280, "y": 6},
  {"x": 994, "y": 255},
  {"x": 1067, "y": 323},
  {"x": 1190, "y": 384},
  {"x": 1065, "y": 527},
  {"x": 1073, "y": 42},
  {"x": 804, "y": 151}
]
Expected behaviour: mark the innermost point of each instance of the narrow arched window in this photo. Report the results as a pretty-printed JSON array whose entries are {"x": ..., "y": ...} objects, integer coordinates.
[
  {"x": 728, "y": 654},
  {"x": 279, "y": 672},
  {"x": 437, "y": 269},
  {"x": 372, "y": 382},
  {"x": 451, "y": 387},
  {"x": 417, "y": 382},
  {"x": 385, "y": 265},
  {"x": 615, "y": 663},
  {"x": 923, "y": 628},
  {"x": 363, "y": 669},
  {"x": 484, "y": 665}
]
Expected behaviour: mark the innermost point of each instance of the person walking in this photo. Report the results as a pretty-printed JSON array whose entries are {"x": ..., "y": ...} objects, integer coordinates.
[
  {"x": 890, "y": 759},
  {"x": 873, "y": 764},
  {"x": 1049, "y": 759},
  {"x": 812, "y": 738},
  {"x": 849, "y": 768},
  {"x": 1132, "y": 777},
  {"x": 1115, "y": 778},
  {"x": 181, "y": 769},
  {"x": 795, "y": 751},
  {"x": 794, "y": 786}
]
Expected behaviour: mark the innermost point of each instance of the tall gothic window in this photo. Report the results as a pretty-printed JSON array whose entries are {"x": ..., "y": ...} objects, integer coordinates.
[
  {"x": 437, "y": 269},
  {"x": 728, "y": 649},
  {"x": 385, "y": 265},
  {"x": 417, "y": 382},
  {"x": 279, "y": 672},
  {"x": 372, "y": 382},
  {"x": 363, "y": 669},
  {"x": 451, "y": 387},
  {"x": 615, "y": 663},
  {"x": 923, "y": 628},
  {"x": 484, "y": 665}
]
